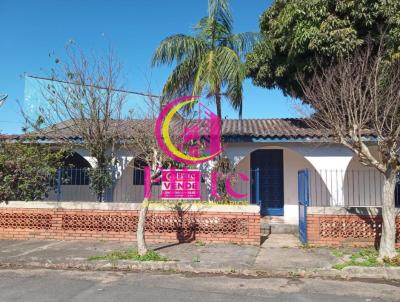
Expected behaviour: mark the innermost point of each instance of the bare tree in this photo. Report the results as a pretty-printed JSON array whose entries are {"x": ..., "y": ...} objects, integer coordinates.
[
  {"x": 83, "y": 98},
  {"x": 358, "y": 99},
  {"x": 148, "y": 152}
]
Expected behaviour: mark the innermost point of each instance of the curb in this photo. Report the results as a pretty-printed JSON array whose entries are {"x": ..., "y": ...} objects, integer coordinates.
[
  {"x": 386, "y": 273},
  {"x": 389, "y": 273}
]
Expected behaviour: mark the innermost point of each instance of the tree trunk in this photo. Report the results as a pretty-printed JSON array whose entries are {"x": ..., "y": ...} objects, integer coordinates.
[
  {"x": 387, "y": 247},
  {"x": 219, "y": 113},
  {"x": 207, "y": 168},
  {"x": 140, "y": 233},
  {"x": 218, "y": 103}
]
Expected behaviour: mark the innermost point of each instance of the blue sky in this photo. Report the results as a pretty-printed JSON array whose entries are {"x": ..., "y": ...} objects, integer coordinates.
[{"x": 30, "y": 30}]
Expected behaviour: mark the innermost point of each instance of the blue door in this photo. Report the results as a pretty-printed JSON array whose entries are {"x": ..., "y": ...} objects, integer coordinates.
[
  {"x": 303, "y": 196},
  {"x": 269, "y": 164}
]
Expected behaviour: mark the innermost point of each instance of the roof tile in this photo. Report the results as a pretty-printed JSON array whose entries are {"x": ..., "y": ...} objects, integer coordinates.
[
  {"x": 269, "y": 128},
  {"x": 249, "y": 128}
]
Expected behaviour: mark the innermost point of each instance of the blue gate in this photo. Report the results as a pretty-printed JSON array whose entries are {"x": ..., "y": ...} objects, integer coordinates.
[{"x": 303, "y": 195}]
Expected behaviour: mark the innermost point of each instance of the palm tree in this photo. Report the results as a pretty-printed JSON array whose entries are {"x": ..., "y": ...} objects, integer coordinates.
[{"x": 210, "y": 62}]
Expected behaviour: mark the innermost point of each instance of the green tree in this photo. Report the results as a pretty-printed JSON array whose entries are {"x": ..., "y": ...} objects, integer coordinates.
[
  {"x": 296, "y": 32},
  {"x": 26, "y": 169},
  {"x": 209, "y": 62}
]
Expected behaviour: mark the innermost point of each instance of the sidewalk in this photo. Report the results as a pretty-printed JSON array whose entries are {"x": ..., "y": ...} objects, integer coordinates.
[{"x": 283, "y": 261}]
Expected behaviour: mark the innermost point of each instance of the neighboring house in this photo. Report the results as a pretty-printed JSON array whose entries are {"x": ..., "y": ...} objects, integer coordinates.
[
  {"x": 7, "y": 137},
  {"x": 271, "y": 152}
]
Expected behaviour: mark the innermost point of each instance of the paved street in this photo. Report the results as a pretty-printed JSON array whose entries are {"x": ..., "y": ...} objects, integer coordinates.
[{"x": 51, "y": 285}]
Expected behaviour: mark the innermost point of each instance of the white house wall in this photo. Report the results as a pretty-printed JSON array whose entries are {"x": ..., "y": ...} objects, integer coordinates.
[
  {"x": 86, "y": 155},
  {"x": 362, "y": 183},
  {"x": 297, "y": 156},
  {"x": 123, "y": 190},
  {"x": 123, "y": 156},
  {"x": 316, "y": 157}
]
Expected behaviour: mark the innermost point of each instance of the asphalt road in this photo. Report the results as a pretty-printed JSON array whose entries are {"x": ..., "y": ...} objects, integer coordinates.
[{"x": 50, "y": 285}]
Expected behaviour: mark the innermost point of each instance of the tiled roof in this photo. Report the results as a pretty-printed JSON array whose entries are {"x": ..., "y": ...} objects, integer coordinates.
[
  {"x": 7, "y": 136},
  {"x": 231, "y": 128},
  {"x": 269, "y": 128}
]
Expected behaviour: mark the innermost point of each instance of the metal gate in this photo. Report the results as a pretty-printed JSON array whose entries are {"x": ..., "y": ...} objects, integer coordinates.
[{"x": 303, "y": 196}]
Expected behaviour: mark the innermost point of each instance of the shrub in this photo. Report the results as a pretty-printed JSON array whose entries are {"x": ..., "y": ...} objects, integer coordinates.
[{"x": 26, "y": 170}]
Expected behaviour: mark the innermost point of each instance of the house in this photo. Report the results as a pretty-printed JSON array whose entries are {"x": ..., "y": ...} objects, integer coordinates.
[
  {"x": 286, "y": 161},
  {"x": 270, "y": 151}
]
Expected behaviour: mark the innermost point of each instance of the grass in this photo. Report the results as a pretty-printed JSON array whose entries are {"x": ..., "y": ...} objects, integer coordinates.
[
  {"x": 200, "y": 243},
  {"x": 337, "y": 253},
  {"x": 130, "y": 254},
  {"x": 365, "y": 258}
]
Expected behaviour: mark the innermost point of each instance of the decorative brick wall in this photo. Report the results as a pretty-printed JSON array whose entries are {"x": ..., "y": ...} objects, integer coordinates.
[
  {"x": 330, "y": 229},
  {"x": 161, "y": 226}
]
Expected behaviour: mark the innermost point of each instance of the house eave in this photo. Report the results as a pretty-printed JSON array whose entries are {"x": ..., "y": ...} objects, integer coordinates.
[{"x": 286, "y": 139}]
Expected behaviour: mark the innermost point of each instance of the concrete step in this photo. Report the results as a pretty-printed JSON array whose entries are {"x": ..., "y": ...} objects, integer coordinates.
[
  {"x": 272, "y": 219},
  {"x": 279, "y": 228},
  {"x": 281, "y": 241}
]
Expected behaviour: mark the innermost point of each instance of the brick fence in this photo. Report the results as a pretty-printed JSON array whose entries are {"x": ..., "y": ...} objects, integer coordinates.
[
  {"x": 341, "y": 226},
  {"x": 94, "y": 221}
]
